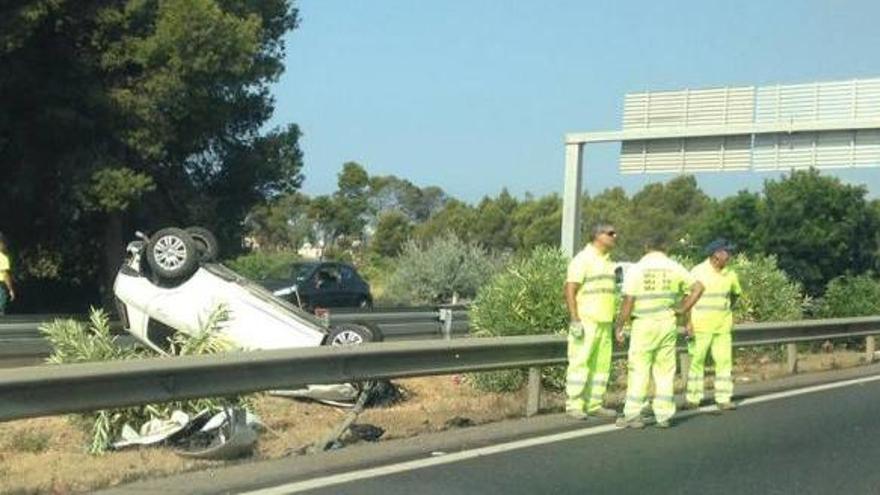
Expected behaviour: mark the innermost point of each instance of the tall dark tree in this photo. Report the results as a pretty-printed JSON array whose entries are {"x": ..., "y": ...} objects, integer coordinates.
[
  {"x": 158, "y": 104},
  {"x": 818, "y": 227},
  {"x": 735, "y": 218}
]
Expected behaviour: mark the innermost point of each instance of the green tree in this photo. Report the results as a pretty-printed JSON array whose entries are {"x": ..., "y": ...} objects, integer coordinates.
[
  {"x": 456, "y": 217},
  {"x": 281, "y": 223},
  {"x": 669, "y": 209},
  {"x": 735, "y": 218},
  {"x": 392, "y": 193},
  {"x": 392, "y": 231},
  {"x": 818, "y": 227},
  {"x": 536, "y": 222},
  {"x": 494, "y": 223},
  {"x": 175, "y": 92}
]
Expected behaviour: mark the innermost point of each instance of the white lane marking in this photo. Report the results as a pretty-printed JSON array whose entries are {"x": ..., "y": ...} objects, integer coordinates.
[{"x": 338, "y": 479}]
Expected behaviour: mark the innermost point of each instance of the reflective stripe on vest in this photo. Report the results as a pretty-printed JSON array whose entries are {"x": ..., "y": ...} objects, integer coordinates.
[{"x": 713, "y": 301}]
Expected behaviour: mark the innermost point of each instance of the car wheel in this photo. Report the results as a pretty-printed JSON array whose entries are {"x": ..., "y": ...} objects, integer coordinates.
[
  {"x": 206, "y": 243},
  {"x": 349, "y": 335},
  {"x": 172, "y": 254}
]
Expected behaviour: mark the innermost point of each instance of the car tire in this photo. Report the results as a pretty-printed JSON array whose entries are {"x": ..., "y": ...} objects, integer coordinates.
[
  {"x": 350, "y": 334},
  {"x": 206, "y": 243},
  {"x": 172, "y": 255}
]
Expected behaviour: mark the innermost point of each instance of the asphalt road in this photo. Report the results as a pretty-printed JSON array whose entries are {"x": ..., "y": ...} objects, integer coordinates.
[{"x": 824, "y": 442}]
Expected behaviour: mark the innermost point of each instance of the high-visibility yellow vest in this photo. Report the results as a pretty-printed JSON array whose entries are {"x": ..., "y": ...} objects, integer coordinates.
[
  {"x": 594, "y": 271},
  {"x": 4, "y": 265},
  {"x": 656, "y": 283},
  {"x": 713, "y": 313}
]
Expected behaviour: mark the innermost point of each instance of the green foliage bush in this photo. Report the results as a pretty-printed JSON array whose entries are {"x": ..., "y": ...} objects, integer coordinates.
[
  {"x": 259, "y": 264},
  {"x": 77, "y": 342},
  {"x": 524, "y": 299},
  {"x": 376, "y": 270},
  {"x": 439, "y": 271},
  {"x": 768, "y": 292},
  {"x": 851, "y": 296}
]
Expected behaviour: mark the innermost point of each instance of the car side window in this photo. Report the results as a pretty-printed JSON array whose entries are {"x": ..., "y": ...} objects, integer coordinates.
[
  {"x": 347, "y": 274},
  {"x": 328, "y": 275}
]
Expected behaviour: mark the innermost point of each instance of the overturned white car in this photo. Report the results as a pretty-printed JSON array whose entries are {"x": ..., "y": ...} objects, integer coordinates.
[{"x": 171, "y": 283}]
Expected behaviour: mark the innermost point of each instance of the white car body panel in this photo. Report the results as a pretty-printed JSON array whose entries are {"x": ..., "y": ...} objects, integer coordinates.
[{"x": 257, "y": 319}]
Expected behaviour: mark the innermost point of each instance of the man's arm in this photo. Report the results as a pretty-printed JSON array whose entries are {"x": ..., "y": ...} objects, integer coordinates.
[
  {"x": 7, "y": 279},
  {"x": 624, "y": 316},
  {"x": 571, "y": 289},
  {"x": 696, "y": 291},
  {"x": 735, "y": 290}
]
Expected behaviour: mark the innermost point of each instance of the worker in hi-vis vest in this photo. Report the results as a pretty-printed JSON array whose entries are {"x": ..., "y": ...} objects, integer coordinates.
[
  {"x": 652, "y": 289},
  {"x": 589, "y": 295},
  {"x": 711, "y": 324}
]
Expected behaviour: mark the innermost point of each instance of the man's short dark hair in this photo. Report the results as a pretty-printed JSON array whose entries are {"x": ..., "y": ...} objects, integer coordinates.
[{"x": 656, "y": 241}]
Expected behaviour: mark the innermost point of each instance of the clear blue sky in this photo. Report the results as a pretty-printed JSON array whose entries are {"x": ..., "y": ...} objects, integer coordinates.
[{"x": 476, "y": 95}]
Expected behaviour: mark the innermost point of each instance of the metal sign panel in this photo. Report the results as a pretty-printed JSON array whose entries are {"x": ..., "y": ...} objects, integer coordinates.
[
  {"x": 833, "y": 149},
  {"x": 778, "y": 127},
  {"x": 845, "y": 100},
  {"x": 719, "y": 106},
  {"x": 688, "y": 155}
]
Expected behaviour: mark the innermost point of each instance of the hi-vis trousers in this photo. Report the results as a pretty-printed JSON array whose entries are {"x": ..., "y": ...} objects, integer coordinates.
[
  {"x": 720, "y": 345},
  {"x": 651, "y": 354},
  {"x": 589, "y": 366}
]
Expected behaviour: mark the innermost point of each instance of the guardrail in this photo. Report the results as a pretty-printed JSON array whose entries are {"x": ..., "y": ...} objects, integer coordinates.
[
  {"x": 21, "y": 341},
  {"x": 46, "y": 390}
]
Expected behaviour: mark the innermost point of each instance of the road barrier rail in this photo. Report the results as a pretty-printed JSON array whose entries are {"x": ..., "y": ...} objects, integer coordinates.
[{"x": 55, "y": 389}]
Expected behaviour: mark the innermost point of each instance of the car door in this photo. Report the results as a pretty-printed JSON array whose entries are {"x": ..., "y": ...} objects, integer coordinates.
[
  {"x": 357, "y": 292},
  {"x": 350, "y": 294},
  {"x": 328, "y": 286}
]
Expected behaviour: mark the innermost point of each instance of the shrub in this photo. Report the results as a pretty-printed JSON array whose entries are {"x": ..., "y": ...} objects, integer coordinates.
[
  {"x": 524, "y": 299},
  {"x": 768, "y": 293},
  {"x": 259, "y": 264},
  {"x": 851, "y": 296},
  {"x": 376, "y": 270},
  {"x": 76, "y": 342},
  {"x": 439, "y": 271}
]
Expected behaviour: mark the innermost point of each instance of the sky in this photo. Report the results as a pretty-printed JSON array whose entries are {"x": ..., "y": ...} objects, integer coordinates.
[{"x": 476, "y": 95}]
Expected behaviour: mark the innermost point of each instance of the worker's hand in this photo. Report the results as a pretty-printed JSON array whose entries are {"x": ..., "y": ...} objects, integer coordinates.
[
  {"x": 576, "y": 329},
  {"x": 618, "y": 334},
  {"x": 11, "y": 295}
]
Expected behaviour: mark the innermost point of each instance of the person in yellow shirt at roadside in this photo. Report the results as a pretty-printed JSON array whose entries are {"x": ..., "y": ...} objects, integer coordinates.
[
  {"x": 589, "y": 295},
  {"x": 653, "y": 294},
  {"x": 711, "y": 326},
  {"x": 7, "y": 290}
]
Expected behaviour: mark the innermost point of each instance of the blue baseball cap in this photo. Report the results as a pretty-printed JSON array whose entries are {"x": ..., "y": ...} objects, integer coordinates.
[{"x": 720, "y": 244}]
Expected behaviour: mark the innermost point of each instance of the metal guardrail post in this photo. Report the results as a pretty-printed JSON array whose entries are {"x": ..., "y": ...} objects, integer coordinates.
[
  {"x": 792, "y": 359},
  {"x": 446, "y": 319},
  {"x": 870, "y": 348},
  {"x": 533, "y": 400}
]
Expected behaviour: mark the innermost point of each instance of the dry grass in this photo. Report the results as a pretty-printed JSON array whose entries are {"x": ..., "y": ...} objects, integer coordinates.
[
  {"x": 63, "y": 466},
  {"x": 47, "y": 455}
]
